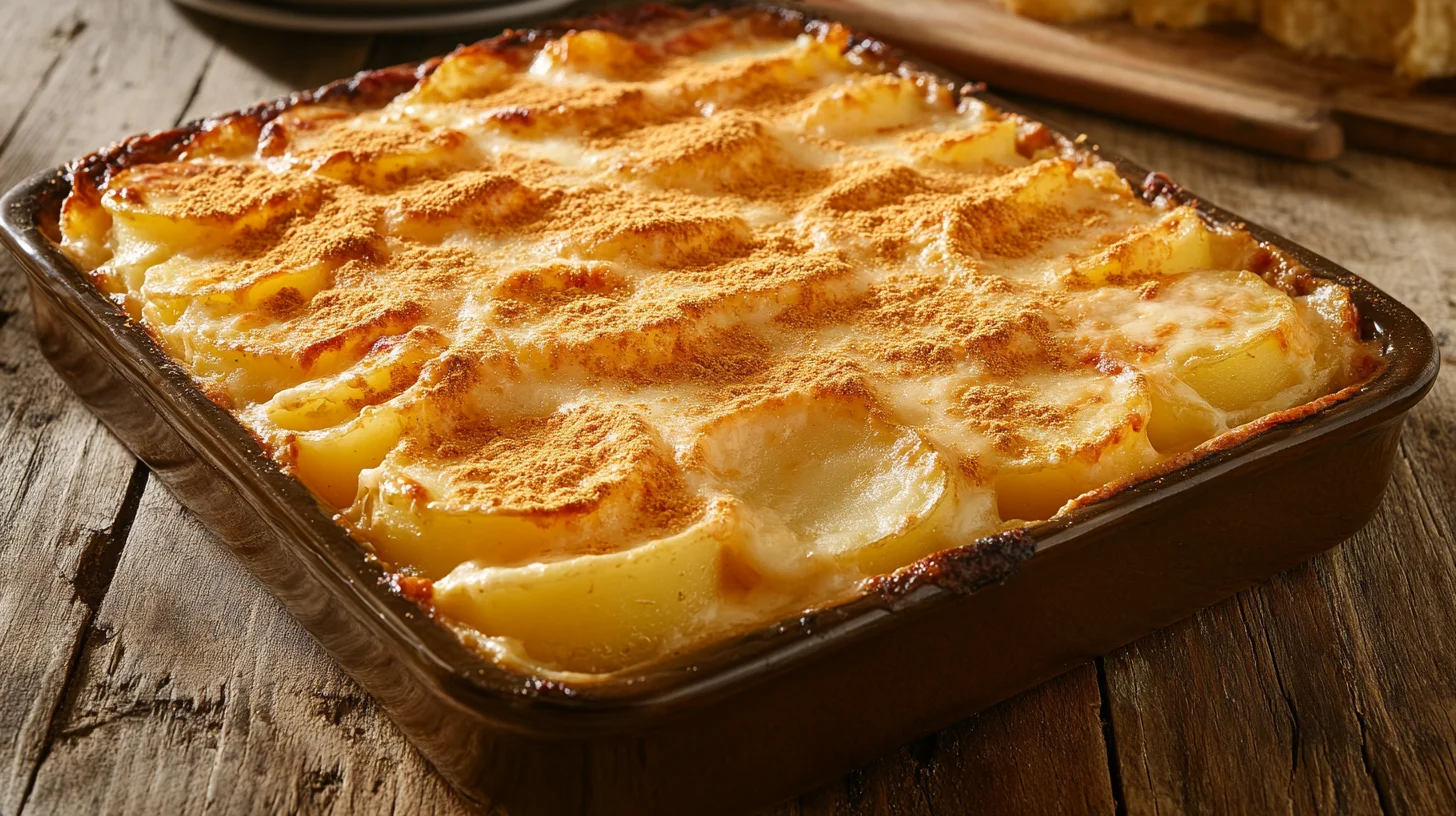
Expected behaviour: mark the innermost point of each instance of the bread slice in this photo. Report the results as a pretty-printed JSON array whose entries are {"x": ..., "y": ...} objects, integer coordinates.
[
  {"x": 1427, "y": 45},
  {"x": 1340, "y": 28},
  {"x": 1417, "y": 36}
]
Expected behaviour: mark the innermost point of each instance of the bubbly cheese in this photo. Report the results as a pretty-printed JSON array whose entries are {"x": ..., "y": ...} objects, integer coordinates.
[{"x": 628, "y": 340}]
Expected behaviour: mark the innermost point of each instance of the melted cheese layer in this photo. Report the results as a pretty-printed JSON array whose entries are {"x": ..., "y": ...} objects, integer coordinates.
[{"x": 627, "y": 342}]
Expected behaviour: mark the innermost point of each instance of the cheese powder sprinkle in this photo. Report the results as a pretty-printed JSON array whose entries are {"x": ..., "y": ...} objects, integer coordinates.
[{"x": 624, "y": 340}]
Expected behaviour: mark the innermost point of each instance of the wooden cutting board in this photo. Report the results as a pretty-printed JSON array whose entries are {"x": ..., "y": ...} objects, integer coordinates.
[{"x": 1228, "y": 83}]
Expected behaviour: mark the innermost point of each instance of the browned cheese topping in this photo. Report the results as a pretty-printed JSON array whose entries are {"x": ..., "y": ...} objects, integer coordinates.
[{"x": 622, "y": 340}]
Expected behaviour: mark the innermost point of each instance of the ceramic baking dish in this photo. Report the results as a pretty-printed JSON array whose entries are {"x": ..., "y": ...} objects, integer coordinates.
[{"x": 758, "y": 718}]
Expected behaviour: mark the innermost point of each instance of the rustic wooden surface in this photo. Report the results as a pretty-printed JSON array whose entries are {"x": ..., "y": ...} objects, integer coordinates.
[
  {"x": 1225, "y": 82},
  {"x": 142, "y": 671}
]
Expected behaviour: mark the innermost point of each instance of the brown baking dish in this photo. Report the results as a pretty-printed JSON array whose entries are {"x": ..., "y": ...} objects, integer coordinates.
[{"x": 769, "y": 714}]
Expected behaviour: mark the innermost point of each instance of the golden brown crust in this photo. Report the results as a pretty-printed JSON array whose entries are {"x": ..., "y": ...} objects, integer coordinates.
[
  {"x": 372, "y": 89},
  {"x": 568, "y": 294},
  {"x": 371, "y": 231},
  {"x": 568, "y": 463}
]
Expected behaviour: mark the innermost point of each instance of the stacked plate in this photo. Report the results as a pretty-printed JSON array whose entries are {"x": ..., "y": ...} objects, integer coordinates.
[{"x": 373, "y": 16}]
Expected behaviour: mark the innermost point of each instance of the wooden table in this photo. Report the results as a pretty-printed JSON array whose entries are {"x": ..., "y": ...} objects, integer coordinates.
[{"x": 142, "y": 670}]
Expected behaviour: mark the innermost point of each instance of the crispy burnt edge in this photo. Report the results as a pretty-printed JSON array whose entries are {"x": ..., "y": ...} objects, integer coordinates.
[
  {"x": 89, "y": 174},
  {"x": 959, "y": 570}
]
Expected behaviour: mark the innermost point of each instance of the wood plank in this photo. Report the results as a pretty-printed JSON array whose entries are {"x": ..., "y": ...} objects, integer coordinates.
[
  {"x": 195, "y": 691},
  {"x": 988, "y": 44},
  {"x": 65, "y": 480},
  {"x": 132, "y": 694},
  {"x": 64, "y": 492},
  {"x": 1394, "y": 587},
  {"x": 1230, "y": 711},
  {"x": 1225, "y": 83},
  {"x": 1039, "y": 752},
  {"x": 198, "y": 694},
  {"x": 253, "y": 66},
  {"x": 1325, "y": 690},
  {"x": 413, "y": 48},
  {"x": 33, "y": 37}
]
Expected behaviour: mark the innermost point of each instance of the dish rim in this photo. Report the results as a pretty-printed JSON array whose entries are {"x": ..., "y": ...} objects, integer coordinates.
[{"x": 718, "y": 668}]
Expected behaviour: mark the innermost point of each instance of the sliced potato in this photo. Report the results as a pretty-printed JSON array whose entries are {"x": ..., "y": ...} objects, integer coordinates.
[
  {"x": 726, "y": 149},
  {"x": 85, "y": 227},
  {"x": 475, "y": 198},
  {"x": 252, "y": 360},
  {"x": 447, "y": 148},
  {"x": 809, "y": 62},
  {"x": 181, "y": 281},
  {"x": 1182, "y": 419},
  {"x": 520, "y": 491},
  {"x": 590, "y": 53},
  {"x": 873, "y": 104},
  {"x": 330, "y": 461},
  {"x": 133, "y": 252},
  {"x": 246, "y": 376},
  {"x": 1044, "y": 184},
  {"x": 173, "y": 204},
  {"x": 1228, "y": 335},
  {"x": 1177, "y": 242},
  {"x": 596, "y": 613},
  {"x": 1059, "y": 435},
  {"x": 1000, "y": 215},
  {"x": 669, "y": 240},
  {"x": 1335, "y": 322},
  {"x": 1235, "y": 378},
  {"x": 1251, "y": 348},
  {"x": 468, "y": 72},
  {"x": 817, "y": 56},
  {"x": 385, "y": 371},
  {"x": 395, "y": 513},
  {"x": 988, "y": 143},
  {"x": 827, "y": 481}
]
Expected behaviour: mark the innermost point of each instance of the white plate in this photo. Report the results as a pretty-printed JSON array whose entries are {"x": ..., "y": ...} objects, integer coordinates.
[{"x": 372, "y": 22}]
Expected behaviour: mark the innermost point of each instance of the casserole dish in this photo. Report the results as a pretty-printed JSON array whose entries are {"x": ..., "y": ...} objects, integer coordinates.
[{"x": 761, "y": 716}]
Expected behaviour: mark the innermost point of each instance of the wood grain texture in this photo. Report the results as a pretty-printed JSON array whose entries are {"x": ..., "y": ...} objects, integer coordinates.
[
  {"x": 198, "y": 694},
  {"x": 146, "y": 672},
  {"x": 194, "y": 692},
  {"x": 63, "y": 480},
  {"x": 1225, "y": 83},
  {"x": 1041, "y": 752},
  {"x": 1329, "y": 688}
]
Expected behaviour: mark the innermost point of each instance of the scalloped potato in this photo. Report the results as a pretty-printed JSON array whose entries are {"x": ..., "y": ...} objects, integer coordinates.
[{"x": 626, "y": 341}]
